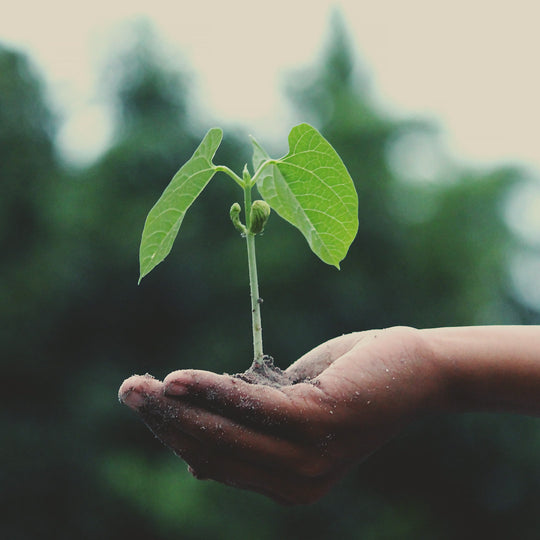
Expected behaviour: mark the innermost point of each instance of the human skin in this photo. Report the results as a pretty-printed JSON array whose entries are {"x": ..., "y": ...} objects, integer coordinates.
[{"x": 293, "y": 443}]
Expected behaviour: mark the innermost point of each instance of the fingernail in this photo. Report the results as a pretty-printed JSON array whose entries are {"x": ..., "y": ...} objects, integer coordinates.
[
  {"x": 174, "y": 388},
  {"x": 133, "y": 399}
]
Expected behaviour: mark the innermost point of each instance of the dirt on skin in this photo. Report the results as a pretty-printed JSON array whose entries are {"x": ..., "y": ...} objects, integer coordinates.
[
  {"x": 158, "y": 418},
  {"x": 267, "y": 373}
]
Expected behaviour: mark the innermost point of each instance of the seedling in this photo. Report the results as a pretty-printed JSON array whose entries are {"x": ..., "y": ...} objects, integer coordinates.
[{"x": 310, "y": 188}]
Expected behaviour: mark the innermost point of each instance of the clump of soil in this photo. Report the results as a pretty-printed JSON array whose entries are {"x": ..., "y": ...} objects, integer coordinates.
[{"x": 266, "y": 373}]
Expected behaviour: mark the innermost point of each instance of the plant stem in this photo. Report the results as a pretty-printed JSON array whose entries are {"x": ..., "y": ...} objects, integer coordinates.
[
  {"x": 253, "y": 282},
  {"x": 261, "y": 168},
  {"x": 231, "y": 174}
]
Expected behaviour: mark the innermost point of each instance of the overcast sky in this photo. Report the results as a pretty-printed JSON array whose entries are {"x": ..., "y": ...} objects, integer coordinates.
[{"x": 471, "y": 65}]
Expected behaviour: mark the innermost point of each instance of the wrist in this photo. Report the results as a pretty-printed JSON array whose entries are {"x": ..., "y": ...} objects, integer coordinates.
[
  {"x": 431, "y": 374},
  {"x": 487, "y": 368},
  {"x": 447, "y": 390}
]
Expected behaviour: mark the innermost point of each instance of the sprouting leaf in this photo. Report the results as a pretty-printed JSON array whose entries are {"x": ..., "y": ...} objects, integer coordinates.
[
  {"x": 165, "y": 218},
  {"x": 311, "y": 188}
]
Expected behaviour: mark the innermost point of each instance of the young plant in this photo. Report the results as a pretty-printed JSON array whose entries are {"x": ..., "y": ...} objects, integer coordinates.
[{"x": 310, "y": 188}]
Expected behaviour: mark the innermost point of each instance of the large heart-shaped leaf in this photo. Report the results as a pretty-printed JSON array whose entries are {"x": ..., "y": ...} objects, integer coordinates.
[
  {"x": 165, "y": 218},
  {"x": 311, "y": 188}
]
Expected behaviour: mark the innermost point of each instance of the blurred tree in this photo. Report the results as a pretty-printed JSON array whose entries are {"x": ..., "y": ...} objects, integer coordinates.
[
  {"x": 75, "y": 324},
  {"x": 28, "y": 165}
]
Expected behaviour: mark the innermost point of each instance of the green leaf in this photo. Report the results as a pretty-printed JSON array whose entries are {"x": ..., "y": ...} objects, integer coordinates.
[
  {"x": 311, "y": 188},
  {"x": 165, "y": 218},
  {"x": 259, "y": 154}
]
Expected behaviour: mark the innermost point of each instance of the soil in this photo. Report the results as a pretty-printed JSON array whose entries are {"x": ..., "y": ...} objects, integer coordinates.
[{"x": 266, "y": 373}]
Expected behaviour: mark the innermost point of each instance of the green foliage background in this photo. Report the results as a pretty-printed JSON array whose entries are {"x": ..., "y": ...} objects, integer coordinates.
[{"x": 74, "y": 324}]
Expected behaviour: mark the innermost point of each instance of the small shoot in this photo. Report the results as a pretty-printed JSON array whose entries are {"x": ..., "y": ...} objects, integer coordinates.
[{"x": 310, "y": 188}]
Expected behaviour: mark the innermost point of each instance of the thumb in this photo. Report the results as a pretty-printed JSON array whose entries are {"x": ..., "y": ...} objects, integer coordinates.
[{"x": 313, "y": 363}]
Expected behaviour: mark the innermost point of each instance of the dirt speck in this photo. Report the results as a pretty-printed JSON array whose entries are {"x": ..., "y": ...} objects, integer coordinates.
[{"x": 266, "y": 373}]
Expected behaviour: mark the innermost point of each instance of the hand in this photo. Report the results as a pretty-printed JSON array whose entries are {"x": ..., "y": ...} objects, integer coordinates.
[{"x": 291, "y": 443}]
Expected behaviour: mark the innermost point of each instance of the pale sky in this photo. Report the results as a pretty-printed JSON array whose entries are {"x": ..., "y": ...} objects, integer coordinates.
[{"x": 470, "y": 65}]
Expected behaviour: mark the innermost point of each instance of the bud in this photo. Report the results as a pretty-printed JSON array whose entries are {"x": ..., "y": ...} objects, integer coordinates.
[
  {"x": 260, "y": 212},
  {"x": 246, "y": 177},
  {"x": 234, "y": 212}
]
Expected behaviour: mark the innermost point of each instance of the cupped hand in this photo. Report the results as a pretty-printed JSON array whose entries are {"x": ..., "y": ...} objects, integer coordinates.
[{"x": 294, "y": 442}]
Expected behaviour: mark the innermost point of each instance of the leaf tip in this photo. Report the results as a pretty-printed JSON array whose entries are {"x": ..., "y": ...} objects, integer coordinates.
[{"x": 143, "y": 272}]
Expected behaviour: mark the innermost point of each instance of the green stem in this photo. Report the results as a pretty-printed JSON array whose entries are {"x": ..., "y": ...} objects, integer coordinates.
[
  {"x": 259, "y": 171},
  {"x": 253, "y": 282},
  {"x": 229, "y": 172}
]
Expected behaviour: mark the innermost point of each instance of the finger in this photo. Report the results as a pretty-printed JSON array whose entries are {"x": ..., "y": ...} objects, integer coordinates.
[
  {"x": 284, "y": 487},
  {"x": 134, "y": 390},
  {"x": 178, "y": 423},
  {"x": 211, "y": 461},
  {"x": 318, "y": 359},
  {"x": 144, "y": 395},
  {"x": 206, "y": 461},
  {"x": 288, "y": 480},
  {"x": 220, "y": 434},
  {"x": 280, "y": 410}
]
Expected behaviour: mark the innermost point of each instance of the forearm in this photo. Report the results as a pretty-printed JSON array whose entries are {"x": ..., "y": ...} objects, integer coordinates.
[{"x": 488, "y": 368}]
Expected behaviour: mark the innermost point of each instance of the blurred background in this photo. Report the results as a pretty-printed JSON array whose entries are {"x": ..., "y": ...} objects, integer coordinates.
[{"x": 449, "y": 235}]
